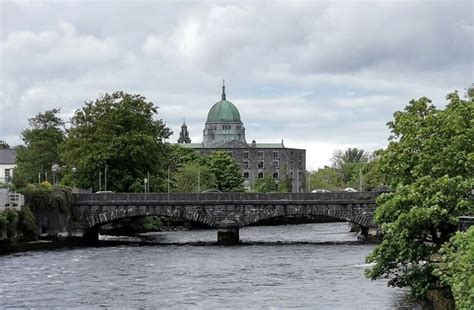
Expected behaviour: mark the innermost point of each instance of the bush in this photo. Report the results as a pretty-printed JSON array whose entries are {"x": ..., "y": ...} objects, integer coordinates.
[{"x": 457, "y": 268}]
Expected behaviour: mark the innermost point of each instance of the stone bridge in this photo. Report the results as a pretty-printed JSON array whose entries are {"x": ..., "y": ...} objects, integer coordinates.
[{"x": 225, "y": 211}]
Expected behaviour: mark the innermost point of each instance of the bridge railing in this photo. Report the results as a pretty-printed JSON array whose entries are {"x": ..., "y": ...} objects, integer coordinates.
[{"x": 123, "y": 197}]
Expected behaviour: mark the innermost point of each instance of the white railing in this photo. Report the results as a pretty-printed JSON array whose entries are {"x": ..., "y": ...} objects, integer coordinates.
[{"x": 11, "y": 201}]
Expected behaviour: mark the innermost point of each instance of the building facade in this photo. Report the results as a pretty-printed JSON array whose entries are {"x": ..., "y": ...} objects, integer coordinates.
[
  {"x": 224, "y": 131},
  {"x": 7, "y": 162}
]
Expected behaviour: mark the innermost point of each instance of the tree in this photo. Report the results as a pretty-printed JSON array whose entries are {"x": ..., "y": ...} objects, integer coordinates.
[
  {"x": 429, "y": 161},
  {"x": 457, "y": 268},
  {"x": 42, "y": 142},
  {"x": 226, "y": 171},
  {"x": 266, "y": 185},
  {"x": 117, "y": 134},
  {"x": 194, "y": 178},
  {"x": 285, "y": 184},
  {"x": 348, "y": 162},
  {"x": 325, "y": 178}
]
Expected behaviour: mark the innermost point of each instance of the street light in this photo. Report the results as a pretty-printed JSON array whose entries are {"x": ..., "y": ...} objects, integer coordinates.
[
  {"x": 145, "y": 181},
  {"x": 55, "y": 169},
  {"x": 74, "y": 170}
]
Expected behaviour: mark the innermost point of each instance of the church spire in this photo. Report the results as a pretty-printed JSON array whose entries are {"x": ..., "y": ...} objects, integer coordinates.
[
  {"x": 223, "y": 89},
  {"x": 184, "y": 134}
]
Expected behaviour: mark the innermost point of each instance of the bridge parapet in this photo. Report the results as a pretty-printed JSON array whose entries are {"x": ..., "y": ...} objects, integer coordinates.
[{"x": 368, "y": 197}]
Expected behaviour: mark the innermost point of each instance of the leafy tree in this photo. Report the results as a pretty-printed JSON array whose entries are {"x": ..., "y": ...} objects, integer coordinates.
[
  {"x": 226, "y": 171},
  {"x": 325, "y": 178},
  {"x": 41, "y": 150},
  {"x": 285, "y": 184},
  {"x": 27, "y": 224},
  {"x": 457, "y": 268},
  {"x": 119, "y": 133},
  {"x": 348, "y": 162},
  {"x": 266, "y": 185},
  {"x": 430, "y": 161},
  {"x": 194, "y": 178}
]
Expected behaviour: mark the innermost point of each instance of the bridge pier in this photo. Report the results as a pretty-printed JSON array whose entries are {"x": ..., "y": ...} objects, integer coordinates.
[
  {"x": 228, "y": 233},
  {"x": 91, "y": 236},
  {"x": 369, "y": 234}
]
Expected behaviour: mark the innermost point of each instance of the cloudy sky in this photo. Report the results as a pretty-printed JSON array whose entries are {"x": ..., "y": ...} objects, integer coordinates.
[{"x": 320, "y": 75}]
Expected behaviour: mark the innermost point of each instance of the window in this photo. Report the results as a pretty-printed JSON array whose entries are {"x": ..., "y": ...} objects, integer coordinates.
[
  {"x": 276, "y": 155},
  {"x": 299, "y": 164},
  {"x": 276, "y": 164},
  {"x": 260, "y": 165},
  {"x": 7, "y": 175},
  {"x": 246, "y": 165},
  {"x": 260, "y": 175},
  {"x": 260, "y": 155},
  {"x": 246, "y": 175},
  {"x": 300, "y": 155},
  {"x": 237, "y": 127},
  {"x": 246, "y": 155},
  {"x": 275, "y": 175}
]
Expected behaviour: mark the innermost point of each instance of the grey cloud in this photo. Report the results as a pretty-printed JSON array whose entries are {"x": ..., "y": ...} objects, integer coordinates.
[{"x": 330, "y": 71}]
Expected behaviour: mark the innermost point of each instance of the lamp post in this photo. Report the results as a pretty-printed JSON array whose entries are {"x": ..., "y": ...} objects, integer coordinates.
[
  {"x": 145, "y": 182},
  {"x": 55, "y": 170},
  {"x": 74, "y": 170}
]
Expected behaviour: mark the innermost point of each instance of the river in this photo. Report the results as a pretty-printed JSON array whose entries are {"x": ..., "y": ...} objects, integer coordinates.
[{"x": 310, "y": 266}]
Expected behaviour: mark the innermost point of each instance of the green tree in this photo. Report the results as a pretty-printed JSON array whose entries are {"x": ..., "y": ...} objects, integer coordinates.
[
  {"x": 285, "y": 183},
  {"x": 266, "y": 185},
  {"x": 41, "y": 150},
  {"x": 325, "y": 178},
  {"x": 457, "y": 268},
  {"x": 348, "y": 163},
  {"x": 118, "y": 133},
  {"x": 194, "y": 178},
  {"x": 27, "y": 224},
  {"x": 226, "y": 171},
  {"x": 429, "y": 161}
]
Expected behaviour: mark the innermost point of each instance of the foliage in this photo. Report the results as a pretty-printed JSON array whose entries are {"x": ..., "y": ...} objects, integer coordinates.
[
  {"x": 226, "y": 171},
  {"x": 194, "y": 178},
  {"x": 41, "y": 148},
  {"x": 457, "y": 268},
  {"x": 430, "y": 162},
  {"x": 325, "y": 178},
  {"x": 18, "y": 224},
  {"x": 106, "y": 134},
  {"x": 347, "y": 162},
  {"x": 265, "y": 185},
  {"x": 27, "y": 224},
  {"x": 41, "y": 197},
  {"x": 285, "y": 183}
]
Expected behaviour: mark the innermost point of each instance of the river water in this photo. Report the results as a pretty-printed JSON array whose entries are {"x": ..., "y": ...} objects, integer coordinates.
[{"x": 311, "y": 266}]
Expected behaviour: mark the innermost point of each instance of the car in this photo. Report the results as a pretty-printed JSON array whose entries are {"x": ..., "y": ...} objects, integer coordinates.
[
  {"x": 212, "y": 190},
  {"x": 104, "y": 192},
  {"x": 320, "y": 190},
  {"x": 349, "y": 189}
]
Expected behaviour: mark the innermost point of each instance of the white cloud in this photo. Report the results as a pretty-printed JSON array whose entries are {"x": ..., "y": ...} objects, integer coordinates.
[{"x": 321, "y": 75}]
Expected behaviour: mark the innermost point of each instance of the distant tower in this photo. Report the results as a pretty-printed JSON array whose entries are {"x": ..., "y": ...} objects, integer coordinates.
[{"x": 184, "y": 134}]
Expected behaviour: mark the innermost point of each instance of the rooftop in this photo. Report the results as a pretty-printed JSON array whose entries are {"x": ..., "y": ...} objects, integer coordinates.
[{"x": 7, "y": 156}]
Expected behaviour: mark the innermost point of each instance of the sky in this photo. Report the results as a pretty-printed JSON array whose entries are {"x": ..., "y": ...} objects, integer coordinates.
[{"x": 318, "y": 75}]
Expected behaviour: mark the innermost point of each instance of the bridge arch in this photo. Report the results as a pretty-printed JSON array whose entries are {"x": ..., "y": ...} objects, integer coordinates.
[
  {"x": 340, "y": 214},
  {"x": 104, "y": 217}
]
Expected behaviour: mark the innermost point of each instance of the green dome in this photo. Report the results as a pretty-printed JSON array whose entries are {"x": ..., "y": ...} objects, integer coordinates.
[{"x": 223, "y": 111}]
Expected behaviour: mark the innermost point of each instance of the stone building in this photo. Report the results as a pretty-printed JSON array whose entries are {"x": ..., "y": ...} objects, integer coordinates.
[{"x": 224, "y": 131}]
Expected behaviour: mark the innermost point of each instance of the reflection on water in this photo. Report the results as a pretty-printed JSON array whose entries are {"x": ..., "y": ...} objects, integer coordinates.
[{"x": 301, "y": 273}]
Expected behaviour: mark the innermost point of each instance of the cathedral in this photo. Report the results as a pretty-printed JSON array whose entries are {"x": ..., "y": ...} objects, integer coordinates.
[{"x": 224, "y": 131}]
